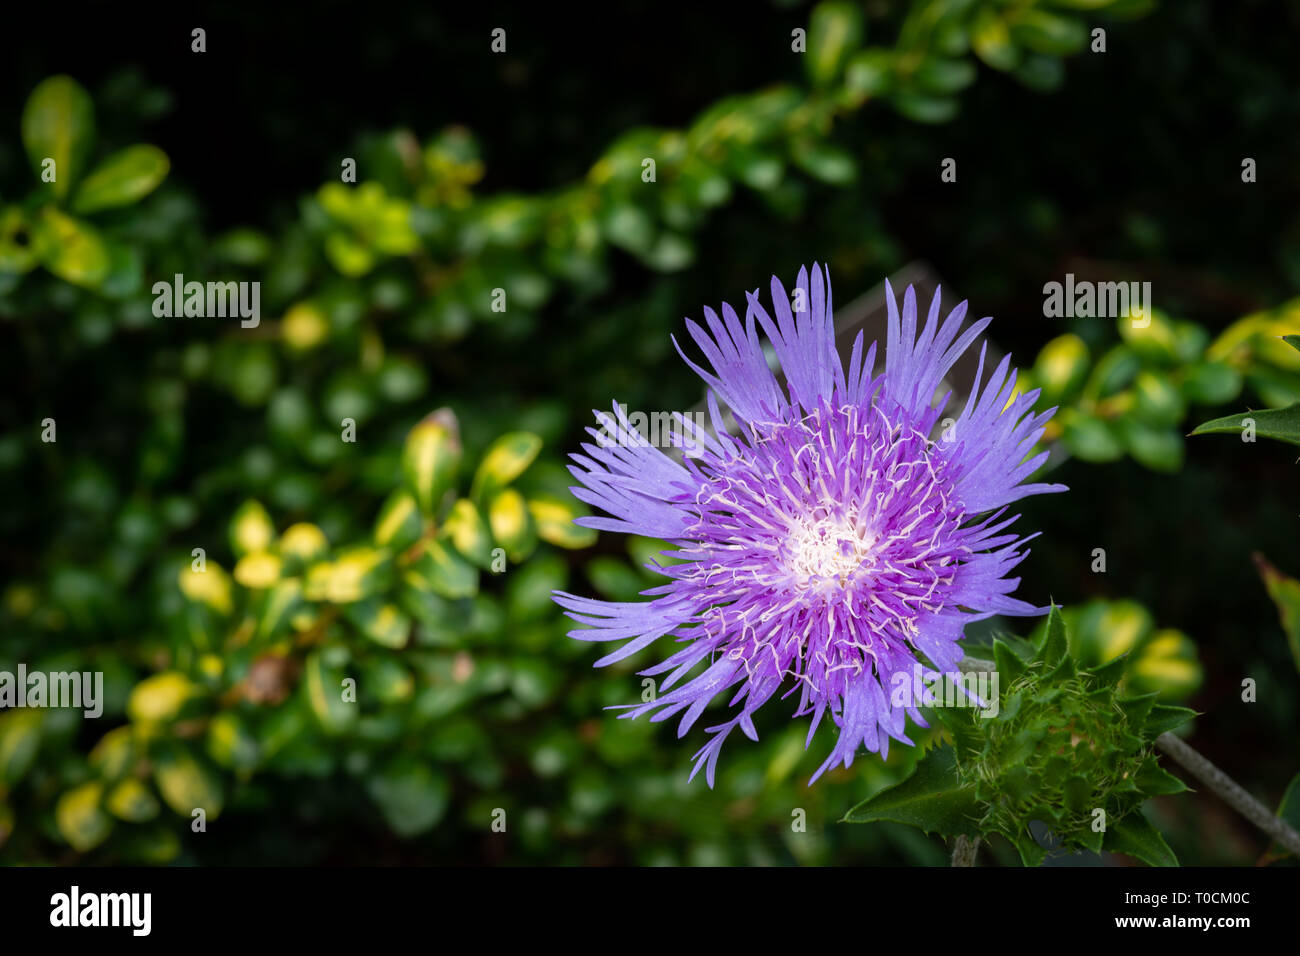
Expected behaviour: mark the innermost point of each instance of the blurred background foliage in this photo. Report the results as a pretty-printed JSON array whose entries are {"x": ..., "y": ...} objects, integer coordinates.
[{"x": 369, "y": 486}]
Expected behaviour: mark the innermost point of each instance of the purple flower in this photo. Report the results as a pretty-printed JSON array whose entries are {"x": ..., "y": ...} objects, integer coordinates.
[{"x": 829, "y": 543}]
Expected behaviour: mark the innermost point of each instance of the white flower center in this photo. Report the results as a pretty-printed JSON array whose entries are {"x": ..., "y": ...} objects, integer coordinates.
[{"x": 827, "y": 548}]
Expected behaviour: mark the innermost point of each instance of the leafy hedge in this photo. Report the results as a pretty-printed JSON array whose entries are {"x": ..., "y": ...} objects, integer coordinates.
[{"x": 315, "y": 598}]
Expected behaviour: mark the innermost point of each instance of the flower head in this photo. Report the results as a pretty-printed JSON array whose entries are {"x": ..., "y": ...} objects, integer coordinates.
[{"x": 830, "y": 540}]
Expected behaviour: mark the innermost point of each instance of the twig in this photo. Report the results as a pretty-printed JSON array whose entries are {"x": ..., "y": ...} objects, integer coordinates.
[
  {"x": 1231, "y": 792},
  {"x": 964, "y": 850}
]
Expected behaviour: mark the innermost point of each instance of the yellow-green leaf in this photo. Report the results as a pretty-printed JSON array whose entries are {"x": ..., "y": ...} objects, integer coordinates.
[
  {"x": 358, "y": 573},
  {"x": 114, "y": 753},
  {"x": 303, "y": 541},
  {"x": 186, "y": 784},
  {"x": 132, "y": 801},
  {"x": 258, "y": 570},
  {"x": 1061, "y": 367},
  {"x": 468, "y": 532},
  {"x": 280, "y": 602},
  {"x": 71, "y": 249},
  {"x": 159, "y": 698},
  {"x": 251, "y": 529},
  {"x": 399, "y": 524},
  {"x": 211, "y": 586},
  {"x": 123, "y": 178},
  {"x": 230, "y": 743},
  {"x": 512, "y": 525},
  {"x": 80, "y": 819},
  {"x": 16, "y": 254},
  {"x": 1166, "y": 665},
  {"x": 430, "y": 458},
  {"x": 834, "y": 32},
  {"x": 554, "y": 519},
  {"x": 1285, "y": 592},
  {"x": 505, "y": 460},
  {"x": 382, "y": 622},
  {"x": 59, "y": 124}
]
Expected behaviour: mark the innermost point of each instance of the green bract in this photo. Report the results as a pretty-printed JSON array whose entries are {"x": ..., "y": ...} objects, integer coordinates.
[{"x": 1066, "y": 762}]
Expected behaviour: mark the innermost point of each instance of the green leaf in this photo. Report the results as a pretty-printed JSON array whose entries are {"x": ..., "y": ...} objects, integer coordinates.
[
  {"x": 412, "y": 796},
  {"x": 1166, "y": 717},
  {"x": 1136, "y": 709},
  {"x": 1031, "y": 853},
  {"x": 1136, "y": 837},
  {"x": 1113, "y": 371},
  {"x": 1040, "y": 72},
  {"x": 123, "y": 178},
  {"x": 1160, "y": 449},
  {"x": 1211, "y": 383},
  {"x": 59, "y": 124},
  {"x": 1089, "y": 437},
  {"x": 960, "y": 724},
  {"x": 20, "y": 739},
  {"x": 1154, "y": 781},
  {"x": 825, "y": 162},
  {"x": 1055, "y": 645},
  {"x": 1009, "y": 664},
  {"x": 441, "y": 570},
  {"x": 1282, "y": 424},
  {"x": 930, "y": 798},
  {"x": 324, "y": 688},
  {"x": 1048, "y": 33},
  {"x": 869, "y": 73},
  {"x": 941, "y": 75},
  {"x": 382, "y": 622},
  {"x": 1110, "y": 673},
  {"x": 80, "y": 819},
  {"x": 1285, "y": 592},
  {"x": 1288, "y": 810},
  {"x": 1158, "y": 402},
  {"x": 834, "y": 32},
  {"x": 505, "y": 460},
  {"x": 921, "y": 108},
  {"x": 991, "y": 41},
  {"x": 1292, "y": 340}
]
